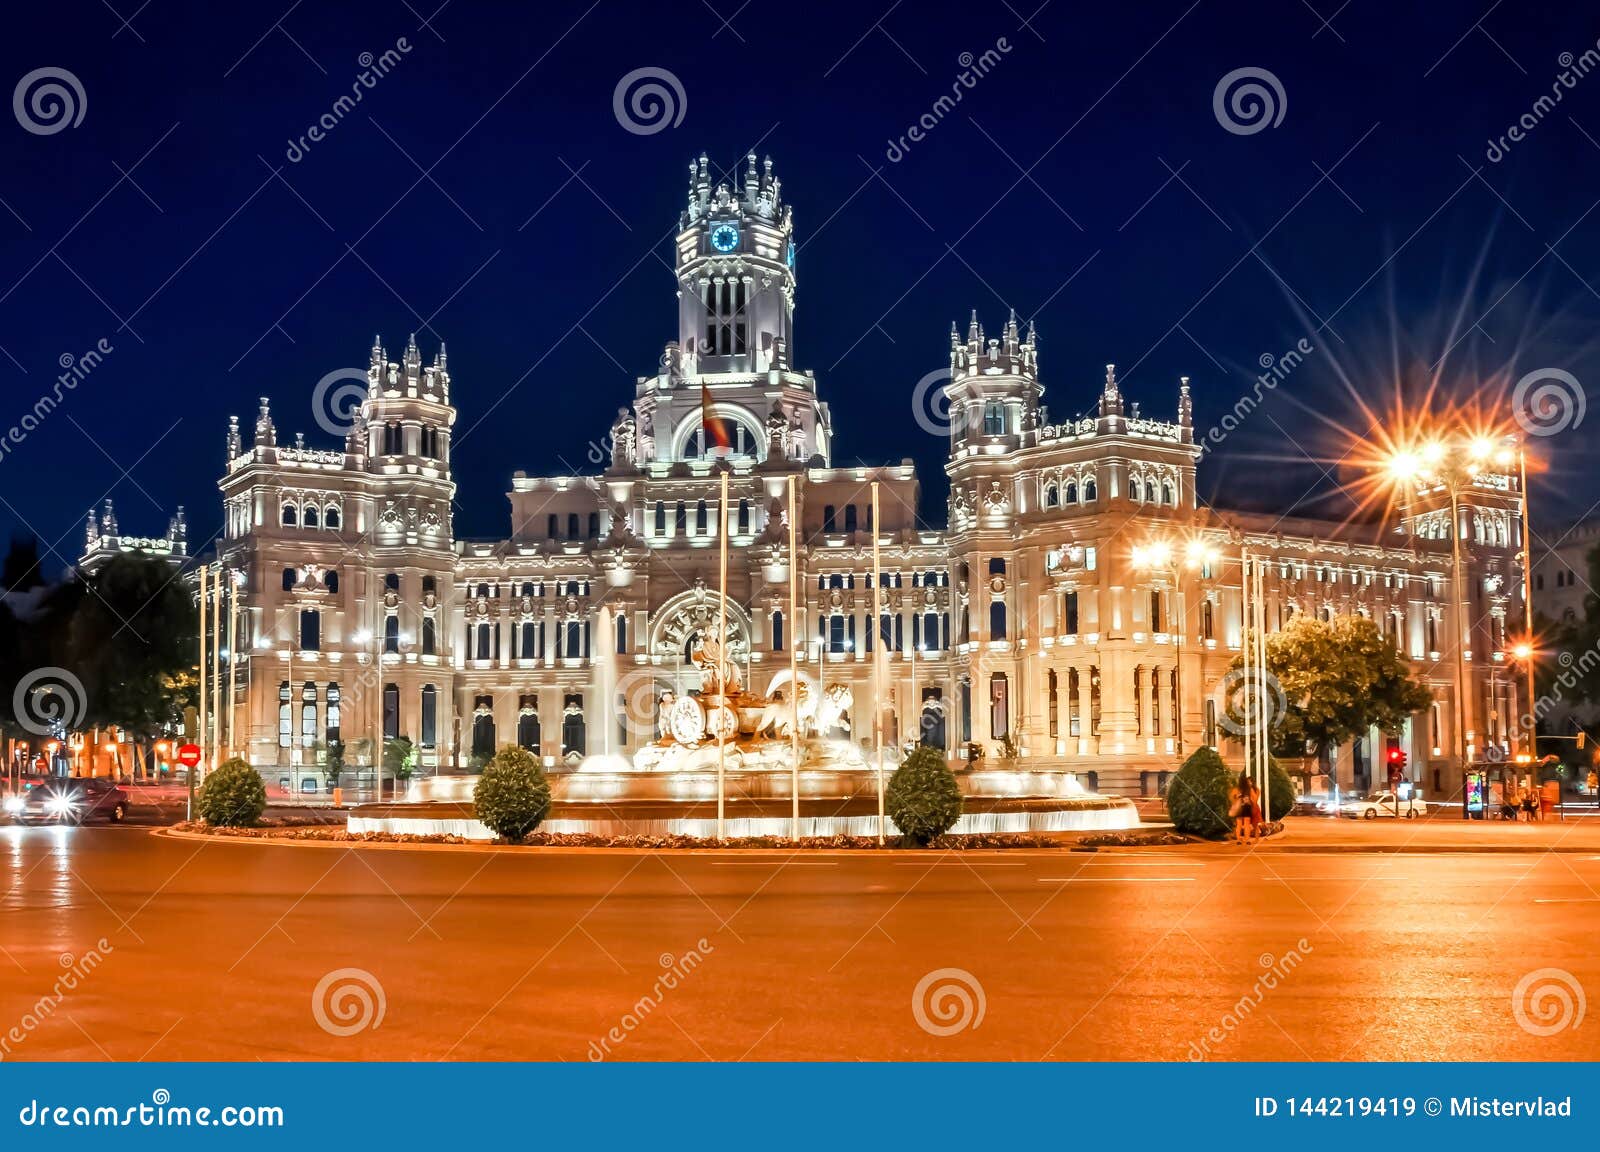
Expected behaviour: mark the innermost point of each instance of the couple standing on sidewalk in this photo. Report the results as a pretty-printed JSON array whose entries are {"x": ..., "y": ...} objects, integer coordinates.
[{"x": 1244, "y": 809}]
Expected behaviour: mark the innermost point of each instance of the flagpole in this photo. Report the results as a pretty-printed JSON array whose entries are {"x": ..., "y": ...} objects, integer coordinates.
[
  {"x": 233, "y": 654},
  {"x": 722, "y": 655},
  {"x": 216, "y": 663},
  {"x": 1261, "y": 698},
  {"x": 794, "y": 671},
  {"x": 877, "y": 659},
  {"x": 201, "y": 727}
]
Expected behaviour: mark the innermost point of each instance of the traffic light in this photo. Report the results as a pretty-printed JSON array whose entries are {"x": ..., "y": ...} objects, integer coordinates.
[
  {"x": 1582, "y": 735},
  {"x": 1396, "y": 759}
]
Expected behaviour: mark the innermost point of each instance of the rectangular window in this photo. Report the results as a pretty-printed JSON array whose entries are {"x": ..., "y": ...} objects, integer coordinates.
[
  {"x": 430, "y": 640},
  {"x": 391, "y": 633},
  {"x": 430, "y": 716},
  {"x": 391, "y": 711},
  {"x": 999, "y": 707},
  {"x": 310, "y": 630},
  {"x": 1070, "y": 614}
]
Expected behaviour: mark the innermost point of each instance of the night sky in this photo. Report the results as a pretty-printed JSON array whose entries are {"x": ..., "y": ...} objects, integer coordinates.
[{"x": 484, "y": 191}]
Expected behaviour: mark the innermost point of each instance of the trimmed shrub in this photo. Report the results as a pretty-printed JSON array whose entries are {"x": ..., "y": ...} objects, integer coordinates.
[
  {"x": 1197, "y": 797},
  {"x": 922, "y": 797},
  {"x": 512, "y": 796},
  {"x": 233, "y": 796}
]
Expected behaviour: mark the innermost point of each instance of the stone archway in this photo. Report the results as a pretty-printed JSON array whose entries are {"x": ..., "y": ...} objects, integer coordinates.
[{"x": 676, "y": 623}]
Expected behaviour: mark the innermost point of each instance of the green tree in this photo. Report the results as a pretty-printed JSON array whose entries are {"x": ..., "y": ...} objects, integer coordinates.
[
  {"x": 923, "y": 798},
  {"x": 1337, "y": 678},
  {"x": 399, "y": 758},
  {"x": 333, "y": 762},
  {"x": 133, "y": 639},
  {"x": 512, "y": 796}
]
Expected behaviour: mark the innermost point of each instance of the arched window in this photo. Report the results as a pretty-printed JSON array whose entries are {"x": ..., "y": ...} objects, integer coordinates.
[
  {"x": 1069, "y": 494},
  {"x": 483, "y": 729},
  {"x": 572, "y": 526},
  {"x": 1207, "y": 621},
  {"x": 528, "y": 733},
  {"x": 849, "y": 517},
  {"x": 391, "y": 581},
  {"x": 331, "y": 723},
  {"x": 574, "y": 738},
  {"x": 311, "y": 516},
  {"x": 1169, "y": 495},
  {"x": 828, "y": 522},
  {"x": 289, "y": 516},
  {"x": 594, "y": 525},
  {"x": 1136, "y": 490},
  {"x": 552, "y": 526},
  {"x": 1052, "y": 496},
  {"x": 285, "y": 715},
  {"x": 1088, "y": 490},
  {"x": 622, "y": 635},
  {"x": 330, "y": 518},
  {"x": 661, "y": 518},
  {"x": 777, "y": 631}
]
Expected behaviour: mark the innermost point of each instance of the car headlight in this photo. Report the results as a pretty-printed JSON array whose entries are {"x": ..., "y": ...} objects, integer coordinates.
[
  {"x": 59, "y": 805},
  {"x": 13, "y": 804}
]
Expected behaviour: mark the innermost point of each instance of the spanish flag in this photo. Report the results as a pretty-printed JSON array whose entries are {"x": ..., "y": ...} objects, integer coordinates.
[{"x": 714, "y": 427}]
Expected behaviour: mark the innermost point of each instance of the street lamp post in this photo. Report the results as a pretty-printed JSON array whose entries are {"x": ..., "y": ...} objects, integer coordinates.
[{"x": 1455, "y": 463}]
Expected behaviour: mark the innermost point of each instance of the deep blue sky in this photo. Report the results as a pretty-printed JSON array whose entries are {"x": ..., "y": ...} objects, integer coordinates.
[{"x": 234, "y": 283}]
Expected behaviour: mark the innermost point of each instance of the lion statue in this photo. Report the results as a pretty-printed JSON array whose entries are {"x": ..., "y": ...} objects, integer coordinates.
[{"x": 816, "y": 715}]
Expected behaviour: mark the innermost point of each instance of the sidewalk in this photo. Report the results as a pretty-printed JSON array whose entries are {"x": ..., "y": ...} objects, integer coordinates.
[{"x": 1437, "y": 834}]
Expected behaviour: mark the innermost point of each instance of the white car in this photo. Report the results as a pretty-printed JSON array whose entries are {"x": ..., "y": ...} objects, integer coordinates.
[{"x": 1383, "y": 804}]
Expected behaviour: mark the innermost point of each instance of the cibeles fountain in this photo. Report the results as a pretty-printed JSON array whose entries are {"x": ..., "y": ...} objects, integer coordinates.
[{"x": 708, "y": 731}]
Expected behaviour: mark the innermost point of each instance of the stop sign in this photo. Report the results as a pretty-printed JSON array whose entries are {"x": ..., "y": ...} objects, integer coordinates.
[{"x": 189, "y": 755}]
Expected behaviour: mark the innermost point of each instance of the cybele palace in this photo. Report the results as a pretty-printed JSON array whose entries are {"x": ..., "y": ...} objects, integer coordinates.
[{"x": 1054, "y": 624}]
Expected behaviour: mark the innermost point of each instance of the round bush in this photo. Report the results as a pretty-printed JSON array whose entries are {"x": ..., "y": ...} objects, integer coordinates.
[
  {"x": 1197, "y": 797},
  {"x": 922, "y": 796},
  {"x": 512, "y": 795},
  {"x": 233, "y": 796}
]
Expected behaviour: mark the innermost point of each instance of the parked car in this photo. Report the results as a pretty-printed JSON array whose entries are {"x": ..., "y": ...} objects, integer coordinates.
[
  {"x": 1383, "y": 804},
  {"x": 69, "y": 801}
]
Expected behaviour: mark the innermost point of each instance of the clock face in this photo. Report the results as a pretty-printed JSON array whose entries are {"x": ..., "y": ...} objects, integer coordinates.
[
  {"x": 788, "y": 256},
  {"x": 725, "y": 237}
]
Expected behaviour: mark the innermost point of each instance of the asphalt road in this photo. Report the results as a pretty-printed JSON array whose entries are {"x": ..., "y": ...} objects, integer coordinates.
[{"x": 215, "y": 951}]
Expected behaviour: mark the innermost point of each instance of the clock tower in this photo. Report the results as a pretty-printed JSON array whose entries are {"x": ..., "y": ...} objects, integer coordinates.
[{"x": 735, "y": 266}]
